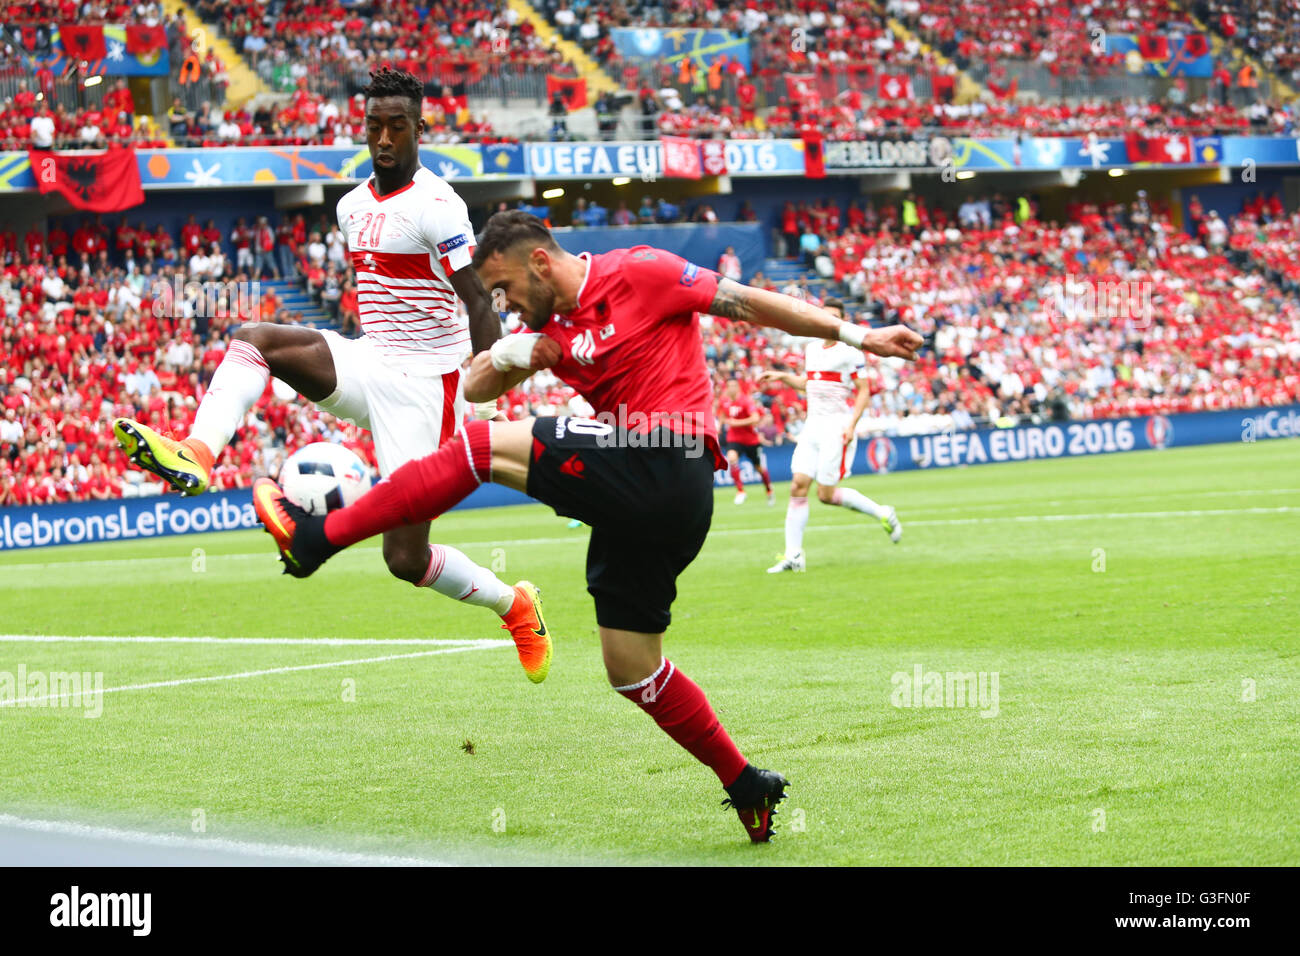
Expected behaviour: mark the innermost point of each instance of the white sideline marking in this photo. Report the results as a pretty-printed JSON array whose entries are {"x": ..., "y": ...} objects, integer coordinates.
[
  {"x": 27, "y": 701},
  {"x": 724, "y": 532},
  {"x": 1234, "y": 493},
  {"x": 301, "y": 854},
  {"x": 465, "y": 643}
]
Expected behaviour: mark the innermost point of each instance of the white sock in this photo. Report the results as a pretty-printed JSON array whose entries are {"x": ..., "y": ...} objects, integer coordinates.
[
  {"x": 796, "y": 519},
  {"x": 452, "y": 573},
  {"x": 857, "y": 501},
  {"x": 236, "y": 386}
]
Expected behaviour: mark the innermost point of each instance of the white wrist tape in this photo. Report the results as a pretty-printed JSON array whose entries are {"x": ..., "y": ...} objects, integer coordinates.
[
  {"x": 485, "y": 411},
  {"x": 513, "y": 351},
  {"x": 851, "y": 334}
]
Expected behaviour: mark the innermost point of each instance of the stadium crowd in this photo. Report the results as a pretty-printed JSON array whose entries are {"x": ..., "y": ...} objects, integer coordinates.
[
  {"x": 91, "y": 327},
  {"x": 301, "y": 119},
  {"x": 1115, "y": 312},
  {"x": 1268, "y": 31},
  {"x": 449, "y": 43}
]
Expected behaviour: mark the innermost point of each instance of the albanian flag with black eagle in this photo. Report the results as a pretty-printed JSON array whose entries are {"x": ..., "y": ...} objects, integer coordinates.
[
  {"x": 96, "y": 182},
  {"x": 83, "y": 43},
  {"x": 572, "y": 91}
]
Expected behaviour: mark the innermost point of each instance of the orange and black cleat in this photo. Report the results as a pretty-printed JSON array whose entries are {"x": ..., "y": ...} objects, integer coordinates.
[
  {"x": 299, "y": 536},
  {"x": 526, "y": 625},
  {"x": 754, "y": 797}
]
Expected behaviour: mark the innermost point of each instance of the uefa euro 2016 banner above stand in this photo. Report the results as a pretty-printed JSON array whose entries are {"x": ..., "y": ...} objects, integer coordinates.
[
  {"x": 278, "y": 166},
  {"x": 702, "y": 46},
  {"x": 130, "y": 519}
]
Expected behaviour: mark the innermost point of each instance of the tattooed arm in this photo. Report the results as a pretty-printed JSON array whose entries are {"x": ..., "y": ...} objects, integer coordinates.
[{"x": 760, "y": 307}]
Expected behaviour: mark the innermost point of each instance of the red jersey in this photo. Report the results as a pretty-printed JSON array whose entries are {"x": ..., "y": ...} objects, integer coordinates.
[
  {"x": 741, "y": 407},
  {"x": 634, "y": 341}
]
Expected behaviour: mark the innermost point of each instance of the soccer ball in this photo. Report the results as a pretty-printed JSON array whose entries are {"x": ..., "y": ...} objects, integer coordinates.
[{"x": 323, "y": 476}]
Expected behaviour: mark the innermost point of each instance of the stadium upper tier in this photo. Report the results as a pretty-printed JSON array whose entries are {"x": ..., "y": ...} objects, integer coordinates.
[
  {"x": 1006, "y": 298},
  {"x": 452, "y": 42}
]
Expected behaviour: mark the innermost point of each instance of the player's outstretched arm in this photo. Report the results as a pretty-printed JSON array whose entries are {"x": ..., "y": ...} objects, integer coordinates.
[
  {"x": 508, "y": 362},
  {"x": 789, "y": 378},
  {"x": 761, "y": 307},
  {"x": 484, "y": 323}
]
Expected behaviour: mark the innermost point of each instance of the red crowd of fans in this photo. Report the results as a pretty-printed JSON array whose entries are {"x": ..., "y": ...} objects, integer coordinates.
[
  {"x": 81, "y": 345},
  {"x": 451, "y": 41},
  {"x": 1267, "y": 30},
  {"x": 1023, "y": 325}
]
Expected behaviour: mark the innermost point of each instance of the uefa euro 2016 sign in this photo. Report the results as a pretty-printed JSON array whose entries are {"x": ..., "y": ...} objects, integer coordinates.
[{"x": 1075, "y": 439}]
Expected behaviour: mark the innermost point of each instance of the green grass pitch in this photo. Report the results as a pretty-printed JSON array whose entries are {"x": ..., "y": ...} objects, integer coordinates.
[{"x": 1140, "y": 611}]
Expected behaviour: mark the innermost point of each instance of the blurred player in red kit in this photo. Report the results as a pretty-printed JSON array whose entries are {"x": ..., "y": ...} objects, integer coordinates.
[
  {"x": 623, "y": 329},
  {"x": 740, "y": 414}
]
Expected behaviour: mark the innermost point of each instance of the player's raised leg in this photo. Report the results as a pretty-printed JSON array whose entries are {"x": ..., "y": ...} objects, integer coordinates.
[
  {"x": 299, "y": 356},
  {"x": 416, "y": 492}
]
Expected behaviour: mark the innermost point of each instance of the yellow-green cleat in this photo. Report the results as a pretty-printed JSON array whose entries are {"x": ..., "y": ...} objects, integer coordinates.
[{"x": 180, "y": 464}]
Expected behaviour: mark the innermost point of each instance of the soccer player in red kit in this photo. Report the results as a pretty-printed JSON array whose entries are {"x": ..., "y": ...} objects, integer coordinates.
[
  {"x": 739, "y": 414},
  {"x": 622, "y": 328}
]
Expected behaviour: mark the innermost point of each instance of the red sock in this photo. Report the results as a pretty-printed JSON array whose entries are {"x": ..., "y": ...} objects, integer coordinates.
[
  {"x": 767, "y": 480},
  {"x": 682, "y": 711},
  {"x": 418, "y": 491},
  {"x": 735, "y": 476}
]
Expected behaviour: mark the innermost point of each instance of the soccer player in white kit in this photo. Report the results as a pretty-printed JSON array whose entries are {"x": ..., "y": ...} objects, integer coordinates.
[
  {"x": 824, "y": 452},
  {"x": 411, "y": 243}
]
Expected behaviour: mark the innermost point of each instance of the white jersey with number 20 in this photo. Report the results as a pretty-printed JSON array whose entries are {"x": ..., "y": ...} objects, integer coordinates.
[{"x": 404, "y": 247}]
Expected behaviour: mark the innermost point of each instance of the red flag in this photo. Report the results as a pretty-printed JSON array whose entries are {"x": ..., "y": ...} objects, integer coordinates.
[
  {"x": 1158, "y": 149},
  {"x": 814, "y": 160},
  {"x": 83, "y": 43},
  {"x": 1004, "y": 92},
  {"x": 713, "y": 157},
  {"x": 801, "y": 87},
  {"x": 943, "y": 85},
  {"x": 1196, "y": 46},
  {"x": 29, "y": 37},
  {"x": 97, "y": 182},
  {"x": 860, "y": 75},
  {"x": 572, "y": 90},
  {"x": 142, "y": 39},
  {"x": 892, "y": 86},
  {"x": 681, "y": 157},
  {"x": 1154, "y": 46}
]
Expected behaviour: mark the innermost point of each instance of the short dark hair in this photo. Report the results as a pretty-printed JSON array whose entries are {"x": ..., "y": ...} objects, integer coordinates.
[
  {"x": 835, "y": 304},
  {"x": 389, "y": 82},
  {"x": 505, "y": 230}
]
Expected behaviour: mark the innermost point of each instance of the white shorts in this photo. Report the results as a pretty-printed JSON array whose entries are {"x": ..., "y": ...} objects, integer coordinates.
[
  {"x": 821, "y": 453},
  {"x": 409, "y": 416}
]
